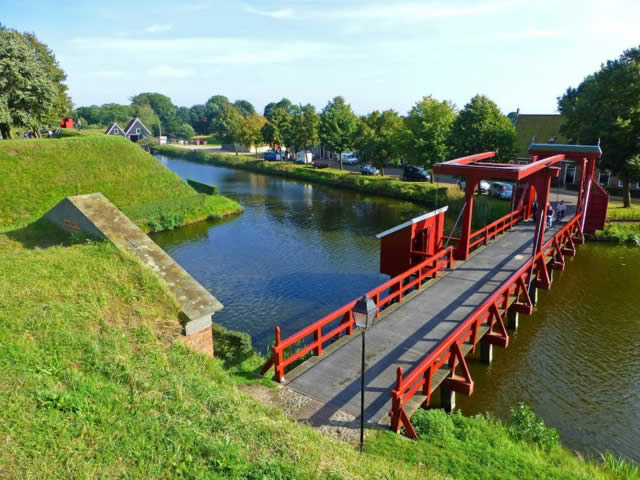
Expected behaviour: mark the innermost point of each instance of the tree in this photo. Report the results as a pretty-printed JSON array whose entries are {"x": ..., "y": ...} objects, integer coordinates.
[
  {"x": 304, "y": 127},
  {"x": 481, "y": 127},
  {"x": 214, "y": 106},
  {"x": 378, "y": 138},
  {"x": 606, "y": 107},
  {"x": 27, "y": 93},
  {"x": 429, "y": 125},
  {"x": 251, "y": 131},
  {"x": 147, "y": 116},
  {"x": 161, "y": 105},
  {"x": 183, "y": 115},
  {"x": 198, "y": 119},
  {"x": 227, "y": 125},
  {"x": 186, "y": 131},
  {"x": 274, "y": 131},
  {"x": 285, "y": 104},
  {"x": 113, "y": 112},
  {"x": 44, "y": 55},
  {"x": 337, "y": 127},
  {"x": 245, "y": 107}
]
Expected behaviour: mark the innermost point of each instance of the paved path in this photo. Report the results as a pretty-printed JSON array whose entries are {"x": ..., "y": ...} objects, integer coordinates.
[{"x": 407, "y": 334}]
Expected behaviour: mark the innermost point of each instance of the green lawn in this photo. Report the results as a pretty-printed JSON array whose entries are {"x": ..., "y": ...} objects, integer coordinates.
[
  {"x": 617, "y": 212},
  {"x": 37, "y": 174}
]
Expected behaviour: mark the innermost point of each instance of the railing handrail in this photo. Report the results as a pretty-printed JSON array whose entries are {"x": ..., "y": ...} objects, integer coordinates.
[
  {"x": 407, "y": 381},
  {"x": 313, "y": 327},
  {"x": 495, "y": 223}
]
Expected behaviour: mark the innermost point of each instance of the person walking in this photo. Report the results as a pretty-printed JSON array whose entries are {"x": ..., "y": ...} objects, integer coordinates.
[
  {"x": 550, "y": 213},
  {"x": 561, "y": 210}
]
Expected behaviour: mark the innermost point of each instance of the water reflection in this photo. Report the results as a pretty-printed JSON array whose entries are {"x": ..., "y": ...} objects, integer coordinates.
[{"x": 299, "y": 251}]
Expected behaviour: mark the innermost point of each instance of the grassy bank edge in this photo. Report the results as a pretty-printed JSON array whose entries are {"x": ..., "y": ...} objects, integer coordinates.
[{"x": 427, "y": 194}]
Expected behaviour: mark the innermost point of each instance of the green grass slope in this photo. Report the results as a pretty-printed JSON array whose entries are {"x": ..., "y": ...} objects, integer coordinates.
[
  {"x": 92, "y": 387},
  {"x": 37, "y": 174}
]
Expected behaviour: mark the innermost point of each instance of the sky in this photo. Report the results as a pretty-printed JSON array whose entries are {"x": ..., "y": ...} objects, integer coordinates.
[{"x": 376, "y": 54}]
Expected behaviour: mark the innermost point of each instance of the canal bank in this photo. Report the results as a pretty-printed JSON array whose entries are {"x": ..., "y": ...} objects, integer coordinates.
[
  {"x": 303, "y": 249},
  {"x": 423, "y": 193}
]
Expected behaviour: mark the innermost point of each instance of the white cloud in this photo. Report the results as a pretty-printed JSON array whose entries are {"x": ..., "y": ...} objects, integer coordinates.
[
  {"x": 158, "y": 28},
  {"x": 167, "y": 71},
  {"x": 391, "y": 13},
  {"x": 217, "y": 50},
  {"x": 282, "y": 13}
]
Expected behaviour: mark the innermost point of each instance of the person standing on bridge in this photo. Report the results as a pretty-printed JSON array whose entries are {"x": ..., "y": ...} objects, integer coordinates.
[
  {"x": 550, "y": 213},
  {"x": 534, "y": 209},
  {"x": 561, "y": 210}
]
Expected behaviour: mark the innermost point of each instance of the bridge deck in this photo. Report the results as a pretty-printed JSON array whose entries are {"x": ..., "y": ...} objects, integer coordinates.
[{"x": 407, "y": 334}]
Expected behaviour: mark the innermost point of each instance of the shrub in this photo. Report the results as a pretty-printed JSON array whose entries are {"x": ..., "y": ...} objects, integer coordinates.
[
  {"x": 526, "y": 425},
  {"x": 230, "y": 345}
]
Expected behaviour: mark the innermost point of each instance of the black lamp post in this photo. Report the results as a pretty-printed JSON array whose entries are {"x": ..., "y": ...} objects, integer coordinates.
[{"x": 364, "y": 312}]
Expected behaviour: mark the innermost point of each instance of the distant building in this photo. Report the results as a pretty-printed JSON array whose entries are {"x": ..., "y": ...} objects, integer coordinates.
[
  {"x": 114, "y": 129},
  {"x": 545, "y": 128},
  {"x": 135, "y": 130}
]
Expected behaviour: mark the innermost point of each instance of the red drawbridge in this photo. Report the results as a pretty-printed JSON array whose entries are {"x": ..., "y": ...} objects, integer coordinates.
[{"x": 443, "y": 301}]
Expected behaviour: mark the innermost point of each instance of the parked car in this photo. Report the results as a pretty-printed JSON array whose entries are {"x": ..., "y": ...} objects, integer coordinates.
[
  {"x": 369, "y": 170},
  {"x": 501, "y": 190},
  {"x": 270, "y": 155},
  {"x": 350, "y": 159},
  {"x": 416, "y": 174},
  {"x": 483, "y": 186}
]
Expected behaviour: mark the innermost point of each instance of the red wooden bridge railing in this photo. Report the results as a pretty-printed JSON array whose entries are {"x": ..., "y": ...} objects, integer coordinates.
[
  {"x": 491, "y": 313},
  {"x": 491, "y": 231},
  {"x": 383, "y": 295}
]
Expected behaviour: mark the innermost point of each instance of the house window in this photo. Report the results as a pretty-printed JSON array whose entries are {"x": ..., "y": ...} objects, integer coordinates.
[
  {"x": 116, "y": 131},
  {"x": 604, "y": 177},
  {"x": 137, "y": 131},
  {"x": 570, "y": 174}
]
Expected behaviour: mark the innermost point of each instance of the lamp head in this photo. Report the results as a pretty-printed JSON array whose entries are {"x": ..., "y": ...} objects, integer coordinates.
[{"x": 364, "y": 311}]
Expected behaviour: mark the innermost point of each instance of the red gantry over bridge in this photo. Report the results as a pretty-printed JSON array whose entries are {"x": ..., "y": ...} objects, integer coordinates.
[{"x": 446, "y": 297}]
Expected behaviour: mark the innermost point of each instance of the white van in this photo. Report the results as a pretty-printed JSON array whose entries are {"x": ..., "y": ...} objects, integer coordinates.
[{"x": 305, "y": 158}]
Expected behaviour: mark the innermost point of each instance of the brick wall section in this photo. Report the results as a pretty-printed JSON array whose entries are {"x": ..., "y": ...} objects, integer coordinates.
[{"x": 201, "y": 341}]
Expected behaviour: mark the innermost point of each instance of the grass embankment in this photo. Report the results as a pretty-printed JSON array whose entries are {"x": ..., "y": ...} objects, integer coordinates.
[
  {"x": 623, "y": 224},
  {"x": 37, "y": 174},
  {"x": 94, "y": 386}
]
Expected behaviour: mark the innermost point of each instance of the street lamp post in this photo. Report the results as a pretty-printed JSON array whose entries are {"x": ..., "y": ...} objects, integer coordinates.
[{"x": 364, "y": 312}]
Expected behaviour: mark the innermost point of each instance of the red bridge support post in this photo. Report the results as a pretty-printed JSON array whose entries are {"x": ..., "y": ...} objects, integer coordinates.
[{"x": 462, "y": 250}]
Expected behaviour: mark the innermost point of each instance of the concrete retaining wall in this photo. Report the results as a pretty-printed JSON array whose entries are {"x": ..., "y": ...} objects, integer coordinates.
[{"x": 95, "y": 215}]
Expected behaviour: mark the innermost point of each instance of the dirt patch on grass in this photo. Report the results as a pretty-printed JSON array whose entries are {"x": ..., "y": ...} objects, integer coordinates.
[{"x": 335, "y": 423}]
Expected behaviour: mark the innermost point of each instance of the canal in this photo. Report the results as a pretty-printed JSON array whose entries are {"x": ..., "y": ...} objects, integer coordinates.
[{"x": 299, "y": 251}]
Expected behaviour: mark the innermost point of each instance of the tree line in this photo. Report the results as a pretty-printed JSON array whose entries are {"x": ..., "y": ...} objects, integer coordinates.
[{"x": 430, "y": 132}]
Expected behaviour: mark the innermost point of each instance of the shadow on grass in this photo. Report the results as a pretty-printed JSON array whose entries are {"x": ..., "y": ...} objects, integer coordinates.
[{"x": 44, "y": 234}]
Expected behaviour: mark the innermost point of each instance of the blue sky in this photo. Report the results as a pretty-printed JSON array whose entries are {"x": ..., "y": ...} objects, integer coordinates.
[{"x": 377, "y": 54}]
